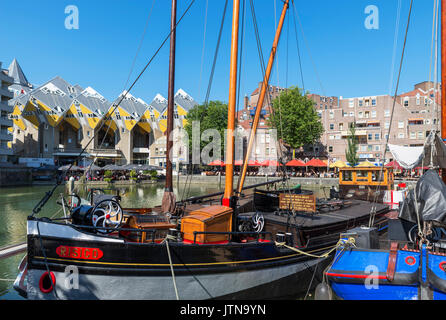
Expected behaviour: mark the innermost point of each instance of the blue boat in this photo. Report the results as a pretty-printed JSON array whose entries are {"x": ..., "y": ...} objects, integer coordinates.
[{"x": 408, "y": 264}]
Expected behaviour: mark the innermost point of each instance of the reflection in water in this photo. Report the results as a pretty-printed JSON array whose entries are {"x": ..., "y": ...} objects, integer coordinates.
[{"x": 16, "y": 204}]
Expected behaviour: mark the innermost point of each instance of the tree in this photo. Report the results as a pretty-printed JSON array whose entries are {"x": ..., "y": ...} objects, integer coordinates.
[
  {"x": 352, "y": 147},
  {"x": 211, "y": 116},
  {"x": 295, "y": 119}
]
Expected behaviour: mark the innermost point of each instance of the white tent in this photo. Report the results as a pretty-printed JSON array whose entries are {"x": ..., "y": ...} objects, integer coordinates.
[{"x": 433, "y": 152}]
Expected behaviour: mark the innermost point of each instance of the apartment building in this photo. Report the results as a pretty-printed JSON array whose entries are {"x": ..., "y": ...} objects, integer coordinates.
[
  {"x": 414, "y": 117},
  {"x": 266, "y": 146},
  {"x": 54, "y": 122},
  {"x": 5, "y": 123}
]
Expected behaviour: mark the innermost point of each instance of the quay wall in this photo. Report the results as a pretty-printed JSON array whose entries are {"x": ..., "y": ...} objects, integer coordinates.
[
  {"x": 12, "y": 176},
  {"x": 216, "y": 180}
]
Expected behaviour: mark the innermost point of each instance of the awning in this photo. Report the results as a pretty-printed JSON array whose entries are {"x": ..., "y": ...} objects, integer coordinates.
[
  {"x": 295, "y": 163},
  {"x": 394, "y": 164},
  {"x": 338, "y": 164},
  {"x": 217, "y": 163},
  {"x": 411, "y": 157},
  {"x": 365, "y": 164},
  {"x": 316, "y": 163}
]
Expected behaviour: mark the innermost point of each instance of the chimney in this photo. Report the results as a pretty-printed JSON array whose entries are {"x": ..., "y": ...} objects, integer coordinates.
[{"x": 246, "y": 102}]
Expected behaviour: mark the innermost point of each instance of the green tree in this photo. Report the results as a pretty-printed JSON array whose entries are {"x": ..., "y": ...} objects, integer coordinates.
[
  {"x": 295, "y": 119},
  {"x": 352, "y": 147},
  {"x": 212, "y": 116}
]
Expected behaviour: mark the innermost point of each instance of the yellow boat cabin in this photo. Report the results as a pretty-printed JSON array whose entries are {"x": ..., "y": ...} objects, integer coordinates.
[{"x": 364, "y": 182}]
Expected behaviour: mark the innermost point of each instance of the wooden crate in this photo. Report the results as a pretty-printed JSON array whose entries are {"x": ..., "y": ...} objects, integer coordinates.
[{"x": 207, "y": 219}]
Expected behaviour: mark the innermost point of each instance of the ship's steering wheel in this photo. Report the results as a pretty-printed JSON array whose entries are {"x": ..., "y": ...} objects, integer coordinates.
[{"x": 107, "y": 216}]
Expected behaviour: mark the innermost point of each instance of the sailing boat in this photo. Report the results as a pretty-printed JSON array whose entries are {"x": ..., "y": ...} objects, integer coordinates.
[
  {"x": 214, "y": 250},
  {"x": 411, "y": 263}
]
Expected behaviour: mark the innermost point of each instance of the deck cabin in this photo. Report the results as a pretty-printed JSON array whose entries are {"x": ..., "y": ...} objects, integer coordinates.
[{"x": 364, "y": 182}]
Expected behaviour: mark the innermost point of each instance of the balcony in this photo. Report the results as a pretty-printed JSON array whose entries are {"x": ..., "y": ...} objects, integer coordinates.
[
  {"x": 62, "y": 151},
  {"x": 5, "y": 92},
  {"x": 5, "y": 151},
  {"x": 5, "y": 136},
  {"x": 4, "y": 106},
  {"x": 107, "y": 153},
  {"x": 141, "y": 150},
  {"x": 4, "y": 121}
]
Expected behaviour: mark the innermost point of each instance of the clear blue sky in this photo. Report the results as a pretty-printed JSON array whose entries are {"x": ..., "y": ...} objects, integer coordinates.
[{"x": 350, "y": 59}]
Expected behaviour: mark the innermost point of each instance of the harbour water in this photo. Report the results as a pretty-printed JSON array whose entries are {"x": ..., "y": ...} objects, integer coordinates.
[{"x": 16, "y": 204}]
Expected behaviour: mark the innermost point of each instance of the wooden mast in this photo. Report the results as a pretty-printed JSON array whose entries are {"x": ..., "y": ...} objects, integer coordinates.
[
  {"x": 443, "y": 77},
  {"x": 168, "y": 204},
  {"x": 443, "y": 69},
  {"x": 263, "y": 92},
  {"x": 231, "y": 107}
]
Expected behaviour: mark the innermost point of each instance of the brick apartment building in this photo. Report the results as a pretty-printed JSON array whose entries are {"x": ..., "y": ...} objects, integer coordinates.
[
  {"x": 413, "y": 119},
  {"x": 415, "y": 115}
]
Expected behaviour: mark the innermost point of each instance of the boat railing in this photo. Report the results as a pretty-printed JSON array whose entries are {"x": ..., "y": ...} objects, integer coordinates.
[
  {"x": 114, "y": 232},
  {"x": 259, "y": 236}
]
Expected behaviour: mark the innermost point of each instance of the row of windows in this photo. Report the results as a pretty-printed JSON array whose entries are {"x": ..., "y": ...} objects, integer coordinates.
[{"x": 363, "y": 103}]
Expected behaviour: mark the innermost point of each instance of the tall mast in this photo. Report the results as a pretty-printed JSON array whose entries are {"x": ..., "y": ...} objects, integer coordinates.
[
  {"x": 168, "y": 204},
  {"x": 443, "y": 70},
  {"x": 262, "y": 96},
  {"x": 231, "y": 106},
  {"x": 443, "y": 77}
]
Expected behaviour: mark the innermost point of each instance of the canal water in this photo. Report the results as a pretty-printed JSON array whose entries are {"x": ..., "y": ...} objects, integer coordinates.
[{"x": 16, "y": 204}]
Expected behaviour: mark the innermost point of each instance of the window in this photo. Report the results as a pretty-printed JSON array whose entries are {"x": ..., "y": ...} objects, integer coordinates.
[
  {"x": 377, "y": 147},
  {"x": 360, "y": 103},
  {"x": 377, "y": 175},
  {"x": 420, "y": 135},
  {"x": 413, "y": 135},
  {"x": 351, "y": 103},
  {"x": 341, "y": 126},
  {"x": 360, "y": 114},
  {"x": 331, "y": 114},
  {"x": 352, "y": 114},
  {"x": 400, "y": 124},
  {"x": 370, "y": 136},
  {"x": 123, "y": 130},
  {"x": 331, "y": 137},
  {"x": 347, "y": 176},
  {"x": 373, "y": 102},
  {"x": 386, "y": 113},
  {"x": 331, "y": 126},
  {"x": 338, "y": 137},
  {"x": 373, "y": 114},
  {"x": 387, "y": 125},
  {"x": 330, "y": 149},
  {"x": 377, "y": 136},
  {"x": 406, "y": 102},
  {"x": 367, "y": 114},
  {"x": 401, "y": 135}
]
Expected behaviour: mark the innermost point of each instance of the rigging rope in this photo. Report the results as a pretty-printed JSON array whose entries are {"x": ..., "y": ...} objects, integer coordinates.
[
  {"x": 48, "y": 195},
  {"x": 373, "y": 208},
  {"x": 187, "y": 185}
]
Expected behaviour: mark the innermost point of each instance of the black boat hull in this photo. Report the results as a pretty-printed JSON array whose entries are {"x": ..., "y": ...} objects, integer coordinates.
[{"x": 255, "y": 270}]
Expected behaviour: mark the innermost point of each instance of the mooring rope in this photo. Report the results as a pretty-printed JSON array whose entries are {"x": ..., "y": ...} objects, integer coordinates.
[
  {"x": 166, "y": 240},
  {"x": 349, "y": 242}
]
